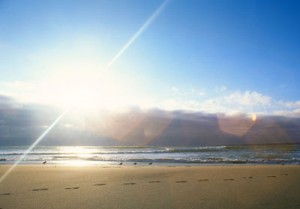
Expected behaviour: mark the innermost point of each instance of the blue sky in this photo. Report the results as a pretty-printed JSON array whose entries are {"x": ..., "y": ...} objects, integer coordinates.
[{"x": 211, "y": 56}]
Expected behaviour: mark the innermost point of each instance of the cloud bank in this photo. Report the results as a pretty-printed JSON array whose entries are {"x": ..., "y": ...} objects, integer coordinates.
[{"x": 21, "y": 124}]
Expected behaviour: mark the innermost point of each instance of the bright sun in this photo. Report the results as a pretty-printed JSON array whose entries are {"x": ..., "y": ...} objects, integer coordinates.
[
  {"x": 76, "y": 80},
  {"x": 85, "y": 91}
]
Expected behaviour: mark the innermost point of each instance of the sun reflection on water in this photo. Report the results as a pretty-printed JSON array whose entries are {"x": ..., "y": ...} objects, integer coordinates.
[{"x": 76, "y": 155}]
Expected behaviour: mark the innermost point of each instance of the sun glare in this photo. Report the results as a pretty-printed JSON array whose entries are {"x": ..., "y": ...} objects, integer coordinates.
[
  {"x": 85, "y": 91},
  {"x": 78, "y": 153},
  {"x": 76, "y": 79}
]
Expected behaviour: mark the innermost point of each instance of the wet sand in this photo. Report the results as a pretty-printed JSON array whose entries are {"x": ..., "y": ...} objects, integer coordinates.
[{"x": 50, "y": 186}]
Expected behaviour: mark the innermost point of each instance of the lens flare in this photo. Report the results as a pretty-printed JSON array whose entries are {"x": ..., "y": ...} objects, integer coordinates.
[{"x": 254, "y": 117}]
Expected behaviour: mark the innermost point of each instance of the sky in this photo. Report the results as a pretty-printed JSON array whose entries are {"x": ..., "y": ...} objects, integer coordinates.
[{"x": 212, "y": 56}]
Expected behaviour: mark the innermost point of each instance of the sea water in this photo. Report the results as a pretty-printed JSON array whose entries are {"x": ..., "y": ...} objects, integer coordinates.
[{"x": 203, "y": 155}]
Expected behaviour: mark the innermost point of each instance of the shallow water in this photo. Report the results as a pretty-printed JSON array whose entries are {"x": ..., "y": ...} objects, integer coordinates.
[{"x": 254, "y": 154}]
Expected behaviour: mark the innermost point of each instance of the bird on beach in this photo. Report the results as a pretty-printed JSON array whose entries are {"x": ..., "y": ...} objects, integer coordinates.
[
  {"x": 44, "y": 162},
  {"x": 150, "y": 163},
  {"x": 120, "y": 163},
  {"x": 134, "y": 163}
]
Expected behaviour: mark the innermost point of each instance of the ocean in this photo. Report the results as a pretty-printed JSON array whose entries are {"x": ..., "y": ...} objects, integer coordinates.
[{"x": 128, "y": 155}]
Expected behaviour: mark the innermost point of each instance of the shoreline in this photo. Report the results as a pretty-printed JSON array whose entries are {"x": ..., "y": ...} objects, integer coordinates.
[
  {"x": 234, "y": 186},
  {"x": 143, "y": 164},
  {"x": 211, "y": 155}
]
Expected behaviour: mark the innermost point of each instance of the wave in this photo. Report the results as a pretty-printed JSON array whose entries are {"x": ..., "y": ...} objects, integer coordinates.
[
  {"x": 124, "y": 150},
  {"x": 160, "y": 160},
  {"x": 200, "y": 155}
]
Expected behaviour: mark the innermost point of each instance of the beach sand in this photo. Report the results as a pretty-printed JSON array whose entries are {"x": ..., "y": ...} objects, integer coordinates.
[{"x": 50, "y": 186}]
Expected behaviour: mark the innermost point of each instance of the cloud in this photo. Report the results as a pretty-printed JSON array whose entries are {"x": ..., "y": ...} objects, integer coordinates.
[
  {"x": 248, "y": 98},
  {"x": 30, "y": 92},
  {"x": 246, "y": 102},
  {"x": 192, "y": 92},
  {"x": 200, "y": 92},
  {"x": 221, "y": 89},
  {"x": 138, "y": 127},
  {"x": 234, "y": 102},
  {"x": 249, "y": 102},
  {"x": 288, "y": 108},
  {"x": 8, "y": 103},
  {"x": 288, "y": 113},
  {"x": 17, "y": 88},
  {"x": 174, "y": 89},
  {"x": 295, "y": 104}
]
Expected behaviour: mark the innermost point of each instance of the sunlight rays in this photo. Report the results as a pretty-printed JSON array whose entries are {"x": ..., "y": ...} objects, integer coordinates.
[
  {"x": 137, "y": 34},
  {"x": 40, "y": 138},
  {"x": 82, "y": 93}
]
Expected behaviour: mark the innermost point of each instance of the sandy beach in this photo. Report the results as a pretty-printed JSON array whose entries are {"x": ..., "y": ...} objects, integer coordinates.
[{"x": 251, "y": 186}]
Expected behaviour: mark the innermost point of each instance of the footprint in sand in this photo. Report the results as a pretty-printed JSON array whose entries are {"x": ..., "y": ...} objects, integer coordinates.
[
  {"x": 229, "y": 179},
  {"x": 151, "y": 182},
  {"x": 40, "y": 189},
  {"x": 250, "y": 177},
  {"x": 180, "y": 181},
  {"x": 72, "y": 188},
  {"x": 5, "y": 194},
  {"x": 132, "y": 183},
  {"x": 99, "y": 184},
  {"x": 203, "y": 180}
]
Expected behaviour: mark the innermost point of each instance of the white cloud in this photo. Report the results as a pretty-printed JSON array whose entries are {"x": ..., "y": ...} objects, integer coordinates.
[
  {"x": 200, "y": 92},
  {"x": 295, "y": 104},
  {"x": 248, "y": 102},
  {"x": 18, "y": 89},
  {"x": 221, "y": 89},
  {"x": 288, "y": 113},
  {"x": 248, "y": 98}
]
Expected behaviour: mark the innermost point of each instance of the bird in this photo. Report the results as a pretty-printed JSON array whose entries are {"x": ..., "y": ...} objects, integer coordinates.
[
  {"x": 134, "y": 163},
  {"x": 120, "y": 163},
  {"x": 150, "y": 163},
  {"x": 44, "y": 162}
]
